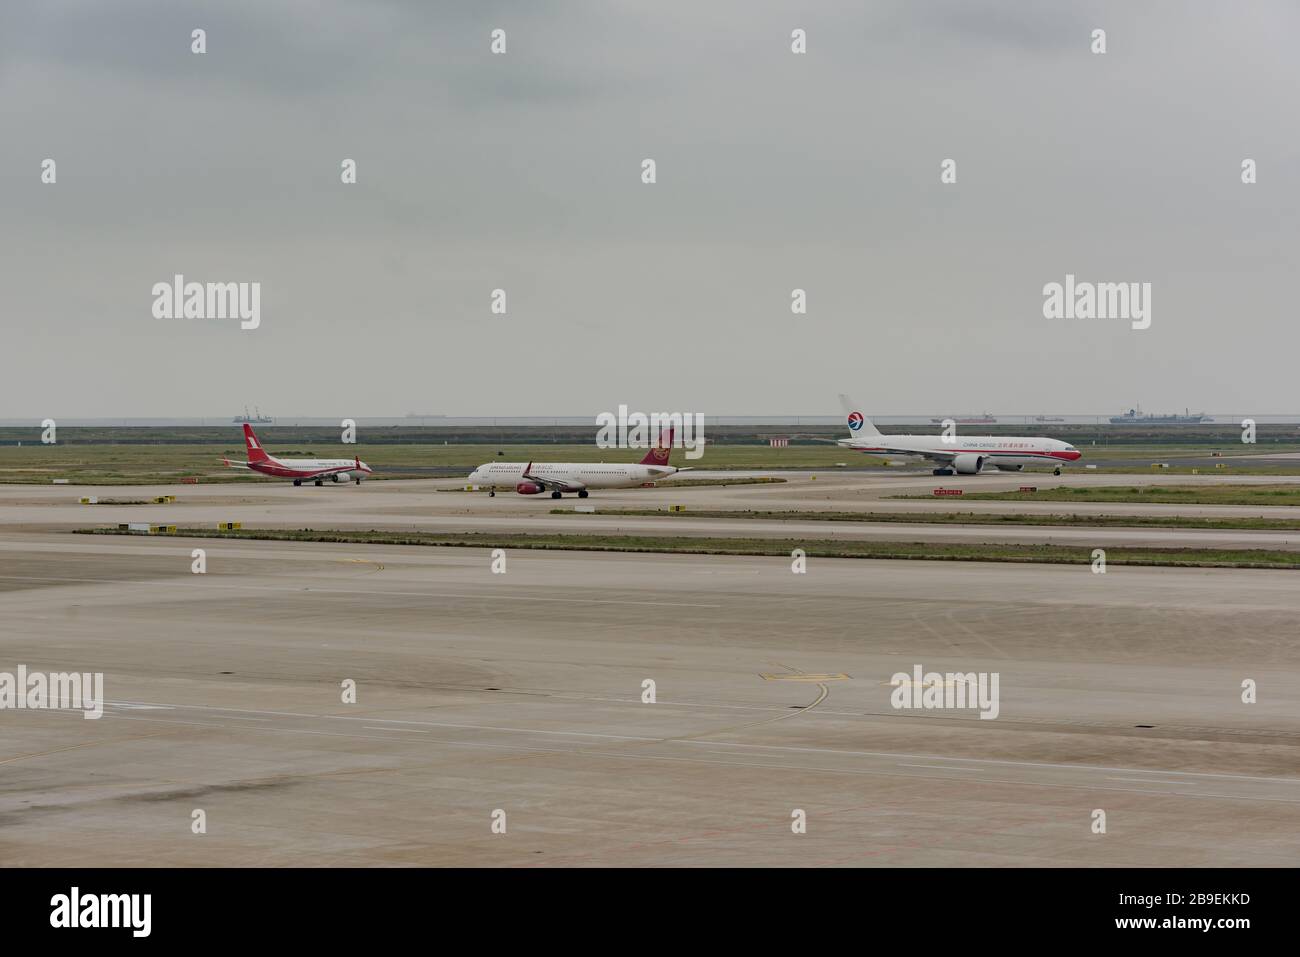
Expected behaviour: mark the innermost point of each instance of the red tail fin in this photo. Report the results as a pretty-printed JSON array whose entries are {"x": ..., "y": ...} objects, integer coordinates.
[
  {"x": 659, "y": 454},
  {"x": 255, "y": 451}
]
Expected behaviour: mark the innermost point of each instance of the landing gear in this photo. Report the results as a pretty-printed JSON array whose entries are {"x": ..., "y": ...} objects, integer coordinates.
[
  {"x": 944, "y": 472},
  {"x": 492, "y": 493},
  {"x": 555, "y": 495},
  {"x": 1056, "y": 471},
  {"x": 297, "y": 481},
  {"x": 582, "y": 494},
  {"x": 319, "y": 483},
  {"x": 358, "y": 481}
]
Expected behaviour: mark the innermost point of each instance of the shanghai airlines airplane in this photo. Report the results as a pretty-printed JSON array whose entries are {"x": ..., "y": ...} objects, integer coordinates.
[
  {"x": 533, "y": 478},
  {"x": 318, "y": 470},
  {"x": 963, "y": 454}
]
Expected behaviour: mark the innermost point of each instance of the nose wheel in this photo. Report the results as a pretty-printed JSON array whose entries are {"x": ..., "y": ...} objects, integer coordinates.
[
  {"x": 1056, "y": 471},
  {"x": 492, "y": 493}
]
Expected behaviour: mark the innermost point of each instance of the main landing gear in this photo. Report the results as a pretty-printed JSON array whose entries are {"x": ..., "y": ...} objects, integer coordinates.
[
  {"x": 1056, "y": 471},
  {"x": 297, "y": 481},
  {"x": 582, "y": 494},
  {"x": 555, "y": 495},
  {"x": 492, "y": 493},
  {"x": 944, "y": 472},
  {"x": 319, "y": 483}
]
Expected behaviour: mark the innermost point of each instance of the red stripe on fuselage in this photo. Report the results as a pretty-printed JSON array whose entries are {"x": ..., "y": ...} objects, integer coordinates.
[
  {"x": 279, "y": 470},
  {"x": 1064, "y": 454}
]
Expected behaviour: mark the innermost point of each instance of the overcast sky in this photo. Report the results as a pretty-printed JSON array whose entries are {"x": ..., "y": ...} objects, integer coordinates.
[{"x": 523, "y": 171}]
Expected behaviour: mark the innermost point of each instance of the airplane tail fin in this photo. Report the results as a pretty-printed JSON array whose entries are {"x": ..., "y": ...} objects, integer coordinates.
[
  {"x": 255, "y": 451},
  {"x": 859, "y": 425},
  {"x": 659, "y": 454}
]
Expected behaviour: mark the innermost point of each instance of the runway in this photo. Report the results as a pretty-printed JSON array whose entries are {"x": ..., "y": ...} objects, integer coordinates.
[
  {"x": 522, "y": 693},
  {"x": 444, "y": 506}
]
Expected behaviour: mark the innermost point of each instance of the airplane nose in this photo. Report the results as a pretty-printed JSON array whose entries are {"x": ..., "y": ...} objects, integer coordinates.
[{"x": 1071, "y": 455}]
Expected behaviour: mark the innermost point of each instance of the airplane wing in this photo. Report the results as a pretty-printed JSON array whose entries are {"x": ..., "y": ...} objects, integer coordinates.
[
  {"x": 236, "y": 465},
  {"x": 933, "y": 455},
  {"x": 550, "y": 483},
  {"x": 326, "y": 473}
]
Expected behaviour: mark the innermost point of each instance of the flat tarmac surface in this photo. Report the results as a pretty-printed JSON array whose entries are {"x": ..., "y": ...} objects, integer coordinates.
[
  {"x": 443, "y": 505},
  {"x": 522, "y": 692}
]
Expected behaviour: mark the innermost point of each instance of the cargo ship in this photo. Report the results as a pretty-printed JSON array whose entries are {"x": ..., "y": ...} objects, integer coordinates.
[
  {"x": 985, "y": 419},
  {"x": 1136, "y": 417},
  {"x": 257, "y": 418},
  {"x": 1048, "y": 418}
]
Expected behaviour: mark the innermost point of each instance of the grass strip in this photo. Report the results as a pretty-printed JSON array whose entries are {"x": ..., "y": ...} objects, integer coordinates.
[
  {"x": 928, "y": 551},
  {"x": 975, "y": 518}
]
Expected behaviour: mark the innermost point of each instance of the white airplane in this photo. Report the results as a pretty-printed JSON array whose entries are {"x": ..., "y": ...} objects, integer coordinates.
[
  {"x": 533, "y": 478},
  {"x": 336, "y": 470},
  {"x": 963, "y": 454}
]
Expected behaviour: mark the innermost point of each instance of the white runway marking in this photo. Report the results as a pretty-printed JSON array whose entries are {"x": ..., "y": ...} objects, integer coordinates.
[
  {"x": 1022, "y": 764},
  {"x": 372, "y": 593}
]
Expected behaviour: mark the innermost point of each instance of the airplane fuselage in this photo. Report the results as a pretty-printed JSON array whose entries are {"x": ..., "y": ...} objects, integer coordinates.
[
  {"x": 969, "y": 453},
  {"x": 345, "y": 469},
  {"x": 572, "y": 476}
]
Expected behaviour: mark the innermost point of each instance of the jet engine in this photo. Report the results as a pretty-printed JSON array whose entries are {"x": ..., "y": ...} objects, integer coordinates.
[
  {"x": 967, "y": 463},
  {"x": 528, "y": 488},
  {"x": 1010, "y": 468}
]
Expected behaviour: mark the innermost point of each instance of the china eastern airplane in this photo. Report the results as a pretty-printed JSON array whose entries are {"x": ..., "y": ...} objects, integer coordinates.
[
  {"x": 533, "y": 478},
  {"x": 962, "y": 454},
  {"x": 300, "y": 470}
]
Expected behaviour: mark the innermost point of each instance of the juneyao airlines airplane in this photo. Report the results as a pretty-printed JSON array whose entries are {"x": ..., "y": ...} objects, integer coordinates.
[
  {"x": 318, "y": 470},
  {"x": 532, "y": 478},
  {"x": 963, "y": 454}
]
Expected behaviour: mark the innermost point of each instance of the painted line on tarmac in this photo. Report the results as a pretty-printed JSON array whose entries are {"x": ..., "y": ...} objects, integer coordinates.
[{"x": 174, "y": 583}]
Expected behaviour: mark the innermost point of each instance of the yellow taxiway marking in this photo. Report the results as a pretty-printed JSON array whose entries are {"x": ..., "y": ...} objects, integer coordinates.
[
  {"x": 804, "y": 677},
  {"x": 87, "y": 744},
  {"x": 791, "y": 674}
]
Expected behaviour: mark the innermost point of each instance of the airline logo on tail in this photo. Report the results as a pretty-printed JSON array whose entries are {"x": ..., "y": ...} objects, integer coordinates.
[
  {"x": 855, "y": 420},
  {"x": 659, "y": 454},
  {"x": 255, "y": 451}
]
